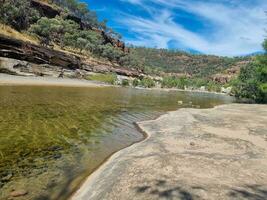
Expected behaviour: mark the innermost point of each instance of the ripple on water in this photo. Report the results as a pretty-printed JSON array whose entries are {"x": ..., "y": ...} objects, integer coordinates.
[{"x": 51, "y": 138}]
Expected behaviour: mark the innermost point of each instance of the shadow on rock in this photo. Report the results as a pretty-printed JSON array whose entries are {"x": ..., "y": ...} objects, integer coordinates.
[
  {"x": 249, "y": 192},
  {"x": 65, "y": 192},
  {"x": 162, "y": 189}
]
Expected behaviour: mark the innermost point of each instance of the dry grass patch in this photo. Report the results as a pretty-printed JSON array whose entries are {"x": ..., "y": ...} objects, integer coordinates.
[{"x": 10, "y": 32}]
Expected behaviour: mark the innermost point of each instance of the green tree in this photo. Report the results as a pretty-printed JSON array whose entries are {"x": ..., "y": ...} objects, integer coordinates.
[
  {"x": 147, "y": 82},
  {"x": 110, "y": 52},
  {"x": 252, "y": 81},
  {"x": 84, "y": 40},
  {"x": 18, "y": 14},
  {"x": 129, "y": 60},
  {"x": 54, "y": 29},
  {"x": 81, "y": 44},
  {"x": 81, "y": 10}
]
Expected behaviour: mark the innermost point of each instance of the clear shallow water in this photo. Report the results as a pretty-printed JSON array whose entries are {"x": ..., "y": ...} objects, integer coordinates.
[{"x": 51, "y": 138}]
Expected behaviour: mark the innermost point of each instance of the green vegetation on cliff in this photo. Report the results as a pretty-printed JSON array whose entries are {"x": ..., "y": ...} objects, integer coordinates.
[
  {"x": 73, "y": 26},
  {"x": 18, "y": 13}
]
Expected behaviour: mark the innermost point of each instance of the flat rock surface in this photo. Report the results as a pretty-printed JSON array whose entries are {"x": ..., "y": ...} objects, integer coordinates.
[{"x": 218, "y": 153}]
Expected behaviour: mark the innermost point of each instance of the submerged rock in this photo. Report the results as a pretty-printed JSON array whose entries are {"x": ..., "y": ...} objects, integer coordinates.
[
  {"x": 7, "y": 178},
  {"x": 180, "y": 102},
  {"x": 57, "y": 156},
  {"x": 192, "y": 144}
]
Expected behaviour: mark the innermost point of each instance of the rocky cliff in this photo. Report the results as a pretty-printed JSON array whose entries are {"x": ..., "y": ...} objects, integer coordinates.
[
  {"x": 230, "y": 73},
  {"x": 17, "y": 49},
  {"x": 24, "y": 58}
]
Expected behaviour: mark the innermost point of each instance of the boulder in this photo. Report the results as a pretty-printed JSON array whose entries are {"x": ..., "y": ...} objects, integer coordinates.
[
  {"x": 226, "y": 90},
  {"x": 202, "y": 88},
  {"x": 180, "y": 102}
]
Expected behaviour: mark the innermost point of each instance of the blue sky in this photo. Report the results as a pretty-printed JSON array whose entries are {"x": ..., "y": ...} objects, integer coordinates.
[{"x": 220, "y": 27}]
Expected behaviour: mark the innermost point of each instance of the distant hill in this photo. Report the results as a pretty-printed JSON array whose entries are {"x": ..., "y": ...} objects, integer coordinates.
[
  {"x": 197, "y": 65},
  {"x": 256, "y": 53}
]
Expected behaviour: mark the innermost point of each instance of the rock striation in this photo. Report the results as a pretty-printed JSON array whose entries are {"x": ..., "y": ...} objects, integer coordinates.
[
  {"x": 23, "y": 58},
  {"x": 17, "y": 49}
]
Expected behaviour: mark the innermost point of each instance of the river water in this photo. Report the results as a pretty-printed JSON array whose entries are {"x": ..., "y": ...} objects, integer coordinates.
[{"x": 52, "y": 138}]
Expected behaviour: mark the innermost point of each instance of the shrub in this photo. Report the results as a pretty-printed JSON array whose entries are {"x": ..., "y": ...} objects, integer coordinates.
[
  {"x": 125, "y": 82},
  {"x": 135, "y": 82},
  {"x": 169, "y": 82},
  {"x": 147, "y": 82},
  {"x": 110, "y": 52},
  {"x": 182, "y": 82},
  {"x": 105, "y": 78},
  {"x": 213, "y": 87}
]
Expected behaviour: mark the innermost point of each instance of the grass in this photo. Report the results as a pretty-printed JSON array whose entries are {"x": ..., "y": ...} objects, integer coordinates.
[
  {"x": 105, "y": 78},
  {"x": 10, "y": 32}
]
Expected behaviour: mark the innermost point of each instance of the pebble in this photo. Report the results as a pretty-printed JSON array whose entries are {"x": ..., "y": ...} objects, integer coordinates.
[
  {"x": 192, "y": 144},
  {"x": 18, "y": 193}
]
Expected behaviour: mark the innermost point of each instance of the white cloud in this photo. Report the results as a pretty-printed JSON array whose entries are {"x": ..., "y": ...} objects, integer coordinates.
[{"x": 234, "y": 28}]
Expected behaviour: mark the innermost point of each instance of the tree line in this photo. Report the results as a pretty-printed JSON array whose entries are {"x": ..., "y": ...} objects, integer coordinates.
[{"x": 252, "y": 81}]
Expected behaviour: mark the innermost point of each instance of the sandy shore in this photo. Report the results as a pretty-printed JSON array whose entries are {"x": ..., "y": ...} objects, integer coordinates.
[
  {"x": 218, "y": 153},
  {"x": 6, "y": 79},
  {"x": 46, "y": 81}
]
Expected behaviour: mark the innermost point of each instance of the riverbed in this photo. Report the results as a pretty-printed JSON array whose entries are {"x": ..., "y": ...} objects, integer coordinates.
[{"x": 52, "y": 137}]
